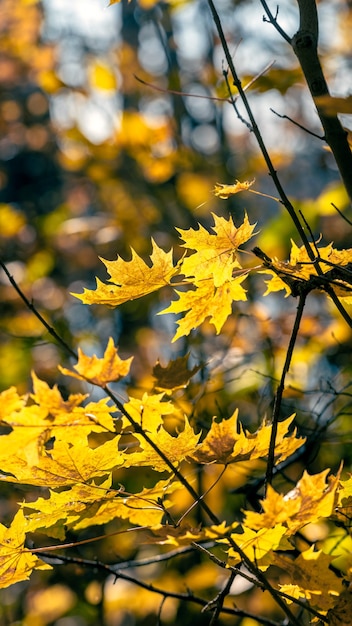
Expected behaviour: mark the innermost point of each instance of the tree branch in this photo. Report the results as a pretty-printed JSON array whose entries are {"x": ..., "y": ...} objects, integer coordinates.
[{"x": 305, "y": 46}]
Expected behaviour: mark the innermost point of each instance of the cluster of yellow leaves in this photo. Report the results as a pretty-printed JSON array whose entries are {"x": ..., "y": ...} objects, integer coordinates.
[
  {"x": 210, "y": 270},
  {"x": 265, "y": 539},
  {"x": 47, "y": 443},
  {"x": 334, "y": 265},
  {"x": 210, "y": 274}
]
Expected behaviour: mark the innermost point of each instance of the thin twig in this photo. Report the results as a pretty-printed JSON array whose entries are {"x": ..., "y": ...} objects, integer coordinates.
[
  {"x": 273, "y": 20},
  {"x": 341, "y": 214},
  {"x": 118, "y": 574},
  {"x": 281, "y": 387},
  {"x": 35, "y": 312},
  {"x": 254, "y": 127},
  {"x": 306, "y": 130}
]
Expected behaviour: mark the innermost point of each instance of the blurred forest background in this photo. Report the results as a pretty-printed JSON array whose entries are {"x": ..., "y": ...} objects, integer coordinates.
[{"x": 93, "y": 161}]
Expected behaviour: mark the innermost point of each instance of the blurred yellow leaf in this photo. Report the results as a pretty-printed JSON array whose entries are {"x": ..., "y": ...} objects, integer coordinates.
[
  {"x": 331, "y": 105},
  {"x": 102, "y": 76}
]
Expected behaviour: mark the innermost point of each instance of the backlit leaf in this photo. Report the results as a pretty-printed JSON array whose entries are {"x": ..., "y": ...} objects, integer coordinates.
[
  {"x": 224, "y": 191},
  {"x": 312, "y": 575},
  {"x": 313, "y": 498},
  {"x": 227, "y": 442},
  {"x": 131, "y": 279},
  {"x": 100, "y": 371},
  {"x": 16, "y": 561},
  {"x": 256, "y": 545}
]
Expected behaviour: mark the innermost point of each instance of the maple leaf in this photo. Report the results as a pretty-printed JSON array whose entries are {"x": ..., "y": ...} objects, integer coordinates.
[
  {"x": 205, "y": 302},
  {"x": 184, "y": 534},
  {"x": 131, "y": 279},
  {"x": 227, "y": 442},
  {"x": 215, "y": 252},
  {"x": 145, "y": 508},
  {"x": 312, "y": 499},
  {"x": 312, "y": 577},
  {"x": 148, "y": 411},
  {"x": 16, "y": 561},
  {"x": 213, "y": 274},
  {"x": 175, "y": 448},
  {"x": 256, "y": 545},
  {"x": 11, "y": 403},
  {"x": 51, "y": 398},
  {"x": 100, "y": 371},
  {"x": 300, "y": 270},
  {"x": 224, "y": 191},
  {"x": 65, "y": 465},
  {"x": 175, "y": 375}
]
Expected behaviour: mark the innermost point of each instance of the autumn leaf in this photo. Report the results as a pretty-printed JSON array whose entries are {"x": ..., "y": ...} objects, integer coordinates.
[
  {"x": 51, "y": 398},
  {"x": 212, "y": 272},
  {"x": 227, "y": 442},
  {"x": 313, "y": 498},
  {"x": 175, "y": 375},
  {"x": 100, "y": 371},
  {"x": 16, "y": 561},
  {"x": 256, "y": 545},
  {"x": 300, "y": 269},
  {"x": 312, "y": 577},
  {"x": 131, "y": 279},
  {"x": 224, "y": 191},
  {"x": 148, "y": 411},
  {"x": 206, "y": 301},
  {"x": 215, "y": 252},
  {"x": 176, "y": 448},
  {"x": 145, "y": 508},
  {"x": 66, "y": 464},
  {"x": 331, "y": 105}
]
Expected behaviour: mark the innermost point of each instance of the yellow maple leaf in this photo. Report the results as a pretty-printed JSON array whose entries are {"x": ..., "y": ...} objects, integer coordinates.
[
  {"x": 66, "y": 464},
  {"x": 100, "y": 371},
  {"x": 51, "y": 398},
  {"x": 206, "y": 301},
  {"x": 213, "y": 274},
  {"x": 227, "y": 442},
  {"x": 175, "y": 448},
  {"x": 131, "y": 279},
  {"x": 143, "y": 508},
  {"x": 11, "y": 403},
  {"x": 300, "y": 269},
  {"x": 256, "y": 545},
  {"x": 16, "y": 561},
  {"x": 224, "y": 191},
  {"x": 312, "y": 499},
  {"x": 310, "y": 573},
  {"x": 148, "y": 411},
  {"x": 215, "y": 253}
]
